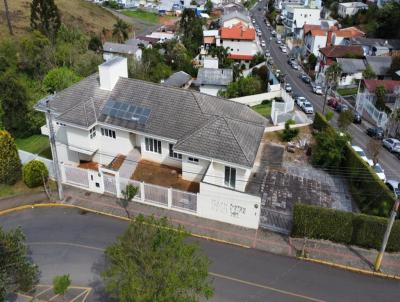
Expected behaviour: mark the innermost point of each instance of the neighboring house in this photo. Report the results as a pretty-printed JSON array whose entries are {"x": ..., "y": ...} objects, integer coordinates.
[
  {"x": 233, "y": 6},
  {"x": 297, "y": 16},
  {"x": 350, "y": 8},
  {"x": 240, "y": 41},
  {"x": 352, "y": 70},
  {"x": 377, "y": 47},
  {"x": 213, "y": 142},
  {"x": 380, "y": 66},
  {"x": 212, "y": 80},
  {"x": 328, "y": 55},
  {"x": 235, "y": 17},
  {"x": 161, "y": 36},
  {"x": 210, "y": 38},
  {"x": 110, "y": 50},
  {"x": 178, "y": 79}
]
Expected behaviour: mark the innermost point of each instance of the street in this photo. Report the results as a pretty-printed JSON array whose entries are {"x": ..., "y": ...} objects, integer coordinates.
[
  {"x": 67, "y": 241},
  {"x": 388, "y": 161}
]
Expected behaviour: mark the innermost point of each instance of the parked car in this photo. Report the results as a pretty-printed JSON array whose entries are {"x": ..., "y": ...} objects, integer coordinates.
[
  {"x": 392, "y": 144},
  {"x": 357, "y": 118},
  {"x": 290, "y": 61},
  {"x": 288, "y": 88},
  {"x": 284, "y": 49},
  {"x": 317, "y": 89},
  {"x": 333, "y": 102},
  {"x": 375, "y": 132},
  {"x": 267, "y": 53},
  {"x": 262, "y": 43},
  {"x": 380, "y": 172},
  {"x": 341, "y": 107},
  {"x": 307, "y": 107},
  {"x": 278, "y": 41},
  {"x": 254, "y": 20},
  {"x": 273, "y": 33},
  {"x": 305, "y": 78},
  {"x": 393, "y": 186},
  {"x": 299, "y": 100},
  {"x": 295, "y": 66},
  {"x": 362, "y": 154}
]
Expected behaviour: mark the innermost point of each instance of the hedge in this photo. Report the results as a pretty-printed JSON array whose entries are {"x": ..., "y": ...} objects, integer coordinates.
[
  {"x": 34, "y": 173},
  {"x": 343, "y": 227},
  {"x": 320, "y": 122}
]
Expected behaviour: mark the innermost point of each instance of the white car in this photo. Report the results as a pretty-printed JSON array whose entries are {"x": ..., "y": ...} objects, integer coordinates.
[
  {"x": 288, "y": 88},
  {"x": 284, "y": 50},
  {"x": 392, "y": 144},
  {"x": 267, "y": 53},
  {"x": 259, "y": 33},
  {"x": 295, "y": 66},
  {"x": 263, "y": 43},
  {"x": 317, "y": 89},
  {"x": 362, "y": 154},
  {"x": 380, "y": 172},
  {"x": 254, "y": 20},
  {"x": 307, "y": 107},
  {"x": 278, "y": 41},
  {"x": 300, "y": 100}
]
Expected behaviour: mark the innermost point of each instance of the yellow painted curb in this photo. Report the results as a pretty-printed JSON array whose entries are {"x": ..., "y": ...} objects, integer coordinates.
[
  {"x": 351, "y": 268},
  {"x": 43, "y": 205}
]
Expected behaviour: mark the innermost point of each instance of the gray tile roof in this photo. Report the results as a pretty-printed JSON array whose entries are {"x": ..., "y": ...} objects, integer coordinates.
[
  {"x": 201, "y": 124},
  {"x": 351, "y": 66},
  {"x": 120, "y": 48},
  {"x": 178, "y": 79},
  {"x": 213, "y": 76},
  {"x": 380, "y": 65},
  {"x": 393, "y": 44},
  {"x": 235, "y": 14}
]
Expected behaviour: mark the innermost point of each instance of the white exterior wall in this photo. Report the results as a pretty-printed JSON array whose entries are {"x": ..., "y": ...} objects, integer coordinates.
[
  {"x": 301, "y": 16},
  {"x": 109, "y": 55},
  {"x": 64, "y": 154},
  {"x": 240, "y": 47},
  {"x": 233, "y": 21},
  {"x": 228, "y": 206},
  {"x": 192, "y": 171},
  {"x": 210, "y": 62},
  {"x": 314, "y": 43},
  {"x": 162, "y": 158},
  {"x": 349, "y": 79},
  {"x": 210, "y": 89}
]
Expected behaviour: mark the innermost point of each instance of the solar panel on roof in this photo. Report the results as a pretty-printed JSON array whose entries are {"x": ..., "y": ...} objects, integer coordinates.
[
  {"x": 132, "y": 109},
  {"x": 117, "y": 105},
  {"x": 126, "y": 111},
  {"x": 124, "y": 106}
]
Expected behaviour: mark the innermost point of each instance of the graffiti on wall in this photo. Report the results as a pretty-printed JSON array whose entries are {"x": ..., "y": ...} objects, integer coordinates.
[{"x": 228, "y": 208}]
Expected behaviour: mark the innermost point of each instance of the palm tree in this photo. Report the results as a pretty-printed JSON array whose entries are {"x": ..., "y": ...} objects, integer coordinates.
[
  {"x": 8, "y": 18},
  {"x": 121, "y": 31},
  {"x": 332, "y": 74}
]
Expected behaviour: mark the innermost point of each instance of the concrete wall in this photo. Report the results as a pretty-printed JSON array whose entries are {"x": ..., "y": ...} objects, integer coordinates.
[
  {"x": 194, "y": 171},
  {"x": 349, "y": 79},
  {"x": 229, "y": 206},
  {"x": 210, "y": 89},
  {"x": 255, "y": 99},
  {"x": 240, "y": 47}
]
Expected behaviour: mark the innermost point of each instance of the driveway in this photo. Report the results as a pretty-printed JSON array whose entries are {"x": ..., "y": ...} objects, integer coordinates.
[{"x": 67, "y": 241}]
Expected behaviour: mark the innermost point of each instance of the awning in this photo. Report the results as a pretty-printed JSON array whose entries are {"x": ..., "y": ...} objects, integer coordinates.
[{"x": 83, "y": 151}]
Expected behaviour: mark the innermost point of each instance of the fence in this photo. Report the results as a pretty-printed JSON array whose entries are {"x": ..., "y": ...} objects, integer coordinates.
[
  {"x": 156, "y": 194},
  {"x": 184, "y": 200},
  {"x": 278, "y": 109},
  {"x": 365, "y": 104},
  {"x": 110, "y": 185},
  {"x": 76, "y": 176},
  {"x": 27, "y": 157}
]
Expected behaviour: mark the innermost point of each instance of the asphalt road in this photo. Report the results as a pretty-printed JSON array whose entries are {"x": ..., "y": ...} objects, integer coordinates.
[
  {"x": 389, "y": 162},
  {"x": 64, "y": 241}
]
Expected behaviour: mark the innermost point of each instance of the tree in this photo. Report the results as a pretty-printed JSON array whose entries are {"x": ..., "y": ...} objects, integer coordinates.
[
  {"x": 329, "y": 115},
  {"x": 14, "y": 103},
  {"x": 95, "y": 44},
  {"x": 395, "y": 67},
  {"x": 345, "y": 119},
  {"x": 35, "y": 174},
  {"x": 374, "y": 148},
  {"x": 257, "y": 59},
  {"x": 369, "y": 73},
  {"x": 288, "y": 134},
  {"x": 261, "y": 72},
  {"x": 10, "y": 164},
  {"x": 191, "y": 31},
  {"x": 332, "y": 74},
  {"x": 311, "y": 61},
  {"x": 61, "y": 284},
  {"x": 127, "y": 196},
  {"x": 121, "y": 31},
  {"x": 152, "y": 261},
  {"x": 222, "y": 54},
  {"x": 209, "y": 6},
  {"x": 380, "y": 93},
  {"x": 8, "y": 18},
  {"x": 242, "y": 87},
  {"x": 45, "y": 18},
  {"x": 59, "y": 78},
  {"x": 17, "y": 272}
]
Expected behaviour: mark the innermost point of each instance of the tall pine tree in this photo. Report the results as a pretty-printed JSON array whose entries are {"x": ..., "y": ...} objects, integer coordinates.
[
  {"x": 10, "y": 164},
  {"x": 45, "y": 17}
]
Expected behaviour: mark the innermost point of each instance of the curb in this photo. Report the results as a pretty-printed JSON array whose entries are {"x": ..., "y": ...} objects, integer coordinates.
[
  {"x": 63, "y": 205},
  {"x": 351, "y": 268}
]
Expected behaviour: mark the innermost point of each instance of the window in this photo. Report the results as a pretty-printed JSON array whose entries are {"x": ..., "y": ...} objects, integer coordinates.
[
  {"x": 108, "y": 132},
  {"x": 92, "y": 132},
  {"x": 230, "y": 177},
  {"x": 174, "y": 154},
  {"x": 193, "y": 160},
  {"x": 153, "y": 145}
]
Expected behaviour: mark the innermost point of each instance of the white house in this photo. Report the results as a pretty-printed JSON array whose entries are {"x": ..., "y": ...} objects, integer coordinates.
[
  {"x": 297, "y": 16},
  {"x": 132, "y": 48},
  {"x": 352, "y": 70},
  {"x": 350, "y": 8},
  {"x": 212, "y": 141}
]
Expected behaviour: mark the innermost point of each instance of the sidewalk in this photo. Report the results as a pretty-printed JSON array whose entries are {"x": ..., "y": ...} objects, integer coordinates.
[{"x": 259, "y": 239}]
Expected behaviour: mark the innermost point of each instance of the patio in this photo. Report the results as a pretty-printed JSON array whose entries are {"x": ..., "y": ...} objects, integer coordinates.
[{"x": 164, "y": 176}]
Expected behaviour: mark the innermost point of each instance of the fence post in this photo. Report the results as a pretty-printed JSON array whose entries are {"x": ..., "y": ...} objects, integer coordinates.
[
  {"x": 169, "y": 198},
  {"x": 142, "y": 197},
  {"x": 117, "y": 185}
]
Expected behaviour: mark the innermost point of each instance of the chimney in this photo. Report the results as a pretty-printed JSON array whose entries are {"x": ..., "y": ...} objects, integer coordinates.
[{"x": 111, "y": 71}]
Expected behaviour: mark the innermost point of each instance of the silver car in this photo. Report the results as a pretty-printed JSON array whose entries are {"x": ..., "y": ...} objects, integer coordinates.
[{"x": 392, "y": 144}]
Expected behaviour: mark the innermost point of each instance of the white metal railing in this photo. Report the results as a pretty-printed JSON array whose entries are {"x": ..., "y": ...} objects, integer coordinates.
[
  {"x": 154, "y": 193},
  {"x": 364, "y": 104},
  {"x": 76, "y": 176},
  {"x": 184, "y": 200}
]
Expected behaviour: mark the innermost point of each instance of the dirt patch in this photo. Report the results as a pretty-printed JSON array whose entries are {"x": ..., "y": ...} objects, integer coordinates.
[
  {"x": 117, "y": 162},
  {"x": 90, "y": 165},
  {"x": 163, "y": 175}
]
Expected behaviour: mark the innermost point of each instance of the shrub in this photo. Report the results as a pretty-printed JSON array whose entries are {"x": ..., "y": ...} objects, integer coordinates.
[
  {"x": 329, "y": 115},
  {"x": 35, "y": 173},
  {"x": 10, "y": 164},
  {"x": 289, "y": 133},
  {"x": 320, "y": 122},
  {"x": 343, "y": 227}
]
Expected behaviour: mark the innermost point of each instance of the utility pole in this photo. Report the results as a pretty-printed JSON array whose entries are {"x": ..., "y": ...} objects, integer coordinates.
[
  {"x": 8, "y": 18},
  {"x": 393, "y": 214},
  {"x": 327, "y": 88},
  {"x": 49, "y": 117}
]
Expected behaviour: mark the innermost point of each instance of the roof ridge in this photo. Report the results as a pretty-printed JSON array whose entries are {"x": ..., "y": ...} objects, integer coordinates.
[
  {"x": 207, "y": 122},
  {"x": 234, "y": 136}
]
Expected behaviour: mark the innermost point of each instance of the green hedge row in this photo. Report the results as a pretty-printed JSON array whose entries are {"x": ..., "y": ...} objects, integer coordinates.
[
  {"x": 368, "y": 191},
  {"x": 343, "y": 227}
]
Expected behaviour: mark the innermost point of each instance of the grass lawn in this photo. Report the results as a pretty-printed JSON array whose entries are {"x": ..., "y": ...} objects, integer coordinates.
[
  {"x": 21, "y": 188},
  {"x": 263, "y": 109},
  {"x": 347, "y": 91},
  {"x": 142, "y": 15},
  {"x": 37, "y": 144}
]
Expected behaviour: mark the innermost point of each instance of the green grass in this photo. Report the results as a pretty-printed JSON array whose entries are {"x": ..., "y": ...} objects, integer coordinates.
[
  {"x": 142, "y": 15},
  {"x": 21, "y": 188},
  {"x": 263, "y": 109},
  {"x": 347, "y": 91},
  {"x": 36, "y": 144}
]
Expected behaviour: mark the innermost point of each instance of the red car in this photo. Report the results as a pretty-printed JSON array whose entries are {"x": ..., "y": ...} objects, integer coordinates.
[{"x": 333, "y": 102}]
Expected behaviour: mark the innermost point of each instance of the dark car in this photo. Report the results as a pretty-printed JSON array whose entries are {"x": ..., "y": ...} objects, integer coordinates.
[
  {"x": 333, "y": 102},
  {"x": 341, "y": 107},
  {"x": 357, "y": 118},
  {"x": 375, "y": 132},
  {"x": 305, "y": 78}
]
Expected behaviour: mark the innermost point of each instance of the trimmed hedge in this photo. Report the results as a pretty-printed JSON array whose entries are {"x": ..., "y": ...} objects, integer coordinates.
[
  {"x": 34, "y": 172},
  {"x": 320, "y": 122},
  {"x": 343, "y": 227}
]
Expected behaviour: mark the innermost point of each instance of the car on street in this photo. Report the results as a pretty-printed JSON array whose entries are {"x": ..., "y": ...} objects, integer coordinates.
[
  {"x": 300, "y": 100},
  {"x": 267, "y": 53},
  {"x": 284, "y": 49},
  {"x": 333, "y": 102},
  {"x": 295, "y": 66},
  {"x": 273, "y": 33},
  {"x": 290, "y": 61},
  {"x": 305, "y": 78},
  {"x": 263, "y": 43},
  {"x": 307, "y": 107},
  {"x": 362, "y": 154},
  {"x": 380, "y": 172},
  {"x": 341, "y": 108},
  {"x": 288, "y": 88},
  {"x": 278, "y": 41},
  {"x": 392, "y": 144},
  {"x": 375, "y": 132},
  {"x": 317, "y": 89},
  {"x": 259, "y": 33},
  {"x": 393, "y": 186},
  {"x": 357, "y": 118},
  {"x": 254, "y": 20}
]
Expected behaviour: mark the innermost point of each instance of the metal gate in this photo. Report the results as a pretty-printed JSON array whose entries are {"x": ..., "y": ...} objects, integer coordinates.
[
  {"x": 276, "y": 221},
  {"x": 109, "y": 184}
]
